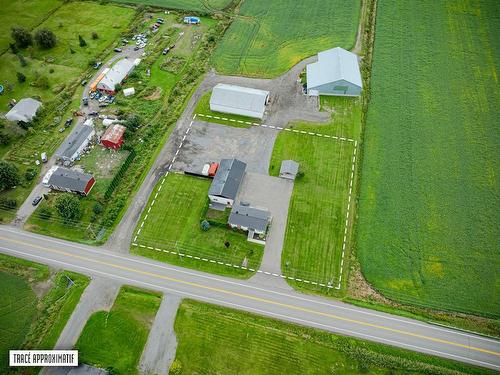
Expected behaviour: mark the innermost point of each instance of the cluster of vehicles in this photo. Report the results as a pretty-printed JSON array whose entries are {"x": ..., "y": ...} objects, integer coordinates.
[
  {"x": 102, "y": 98},
  {"x": 141, "y": 40}
]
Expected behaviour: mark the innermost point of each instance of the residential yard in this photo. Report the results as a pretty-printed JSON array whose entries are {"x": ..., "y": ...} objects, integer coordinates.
[
  {"x": 318, "y": 207},
  {"x": 186, "y": 5},
  {"x": 173, "y": 224},
  {"x": 268, "y": 37},
  {"x": 428, "y": 230},
  {"x": 115, "y": 340},
  {"x": 217, "y": 340},
  {"x": 203, "y": 110},
  {"x": 34, "y": 308}
]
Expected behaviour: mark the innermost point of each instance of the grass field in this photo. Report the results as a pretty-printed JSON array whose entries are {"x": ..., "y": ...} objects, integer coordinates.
[
  {"x": 269, "y": 37},
  {"x": 318, "y": 207},
  {"x": 194, "y": 5},
  {"x": 428, "y": 215},
  {"x": 216, "y": 340},
  {"x": 116, "y": 339},
  {"x": 173, "y": 224},
  {"x": 27, "y": 320}
]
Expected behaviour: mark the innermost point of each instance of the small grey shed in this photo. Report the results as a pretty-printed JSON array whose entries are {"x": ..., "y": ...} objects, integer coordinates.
[{"x": 289, "y": 169}]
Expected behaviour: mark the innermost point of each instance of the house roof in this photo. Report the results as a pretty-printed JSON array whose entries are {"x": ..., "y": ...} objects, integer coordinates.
[
  {"x": 73, "y": 142},
  {"x": 237, "y": 97},
  {"x": 113, "y": 133},
  {"x": 69, "y": 179},
  {"x": 227, "y": 179},
  {"x": 289, "y": 167},
  {"x": 24, "y": 110},
  {"x": 334, "y": 65},
  {"x": 117, "y": 73},
  {"x": 249, "y": 217}
]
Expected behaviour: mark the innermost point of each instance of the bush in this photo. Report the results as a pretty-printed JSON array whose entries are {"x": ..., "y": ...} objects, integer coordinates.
[
  {"x": 44, "y": 212},
  {"x": 98, "y": 208},
  {"x": 8, "y": 203},
  {"x": 176, "y": 367},
  {"x": 205, "y": 225},
  {"x": 9, "y": 175},
  {"x": 22, "y": 37},
  {"x": 118, "y": 87},
  {"x": 30, "y": 174},
  {"x": 13, "y": 48},
  {"x": 42, "y": 82},
  {"x": 22, "y": 60},
  {"x": 21, "y": 78},
  {"x": 45, "y": 38},
  {"x": 299, "y": 175},
  {"x": 94, "y": 35},
  {"x": 82, "y": 41},
  {"x": 4, "y": 138},
  {"x": 68, "y": 207}
]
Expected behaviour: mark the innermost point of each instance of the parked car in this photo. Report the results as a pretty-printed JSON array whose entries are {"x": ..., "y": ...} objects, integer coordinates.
[
  {"x": 44, "y": 157},
  {"x": 117, "y": 50},
  {"x": 102, "y": 105},
  {"x": 61, "y": 130},
  {"x": 84, "y": 82},
  {"x": 85, "y": 101},
  {"x": 68, "y": 122},
  {"x": 97, "y": 64},
  {"x": 165, "y": 51},
  {"x": 36, "y": 200},
  {"x": 136, "y": 48},
  {"x": 102, "y": 98},
  {"x": 93, "y": 113}
]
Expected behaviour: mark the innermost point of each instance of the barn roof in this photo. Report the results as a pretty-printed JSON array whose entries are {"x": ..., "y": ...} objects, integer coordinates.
[
  {"x": 24, "y": 110},
  {"x": 249, "y": 217},
  {"x": 117, "y": 73},
  {"x": 227, "y": 179},
  {"x": 334, "y": 65},
  {"x": 69, "y": 179},
  {"x": 113, "y": 133},
  {"x": 73, "y": 142},
  {"x": 239, "y": 98}
]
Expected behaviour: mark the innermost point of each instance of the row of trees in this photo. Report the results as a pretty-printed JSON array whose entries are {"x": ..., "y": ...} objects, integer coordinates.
[{"x": 44, "y": 38}]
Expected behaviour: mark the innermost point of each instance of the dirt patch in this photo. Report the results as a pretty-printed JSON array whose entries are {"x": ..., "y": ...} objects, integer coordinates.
[
  {"x": 360, "y": 289},
  {"x": 42, "y": 288},
  {"x": 155, "y": 95}
]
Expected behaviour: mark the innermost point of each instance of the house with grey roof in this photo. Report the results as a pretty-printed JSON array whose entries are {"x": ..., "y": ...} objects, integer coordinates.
[
  {"x": 289, "y": 169},
  {"x": 68, "y": 180},
  {"x": 253, "y": 220},
  {"x": 76, "y": 142},
  {"x": 25, "y": 110},
  {"x": 226, "y": 183},
  {"x": 238, "y": 100},
  {"x": 335, "y": 73}
]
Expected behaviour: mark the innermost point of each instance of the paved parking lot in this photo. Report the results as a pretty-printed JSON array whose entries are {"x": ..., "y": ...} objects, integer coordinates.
[{"x": 207, "y": 142}]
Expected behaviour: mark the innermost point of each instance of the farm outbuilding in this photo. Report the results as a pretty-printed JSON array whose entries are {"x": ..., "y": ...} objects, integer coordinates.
[
  {"x": 25, "y": 110},
  {"x": 113, "y": 136},
  {"x": 226, "y": 183},
  {"x": 69, "y": 180},
  {"x": 289, "y": 169},
  {"x": 239, "y": 100},
  {"x": 191, "y": 20},
  {"x": 76, "y": 142},
  {"x": 335, "y": 73},
  {"x": 117, "y": 74}
]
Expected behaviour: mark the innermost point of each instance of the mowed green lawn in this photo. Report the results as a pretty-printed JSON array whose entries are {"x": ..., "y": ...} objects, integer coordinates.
[
  {"x": 318, "y": 207},
  {"x": 429, "y": 207},
  {"x": 173, "y": 224},
  {"x": 194, "y": 5},
  {"x": 116, "y": 339},
  {"x": 217, "y": 340},
  {"x": 25, "y": 13},
  {"x": 269, "y": 37}
]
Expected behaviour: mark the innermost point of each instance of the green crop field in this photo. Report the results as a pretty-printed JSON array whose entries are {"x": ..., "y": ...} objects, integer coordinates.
[
  {"x": 173, "y": 224},
  {"x": 116, "y": 339},
  {"x": 428, "y": 229},
  {"x": 318, "y": 207},
  {"x": 217, "y": 340},
  {"x": 269, "y": 37},
  {"x": 194, "y": 5}
]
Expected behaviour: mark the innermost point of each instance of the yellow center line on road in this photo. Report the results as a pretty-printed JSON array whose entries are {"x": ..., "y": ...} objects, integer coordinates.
[{"x": 258, "y": 299}]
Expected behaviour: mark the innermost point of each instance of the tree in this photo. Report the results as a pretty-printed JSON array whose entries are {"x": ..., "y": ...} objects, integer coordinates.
[
  {"x": 94, "y": 35},
  {"x": 9, "y": 175},
  {"x": 30, "y": 174},
  {"x": 68, "y": 207},
  {"x": 22, "y": 37},
  {"x": 118, "y": 87},
  {"x": 4, "y": 138},
  {"x": 98, "y": 208},
  {"x": 22, "y": 60},
  {"x": 133, "y": 122},
  {"x": 82, "y": 41},
  {"x": 21, "y": 78},
  {"x": 45, "y": 38},
  {"x": 13, "y": 48},
  {"x": 205, "y": 225},
  {"x": 8, "y": 203}
]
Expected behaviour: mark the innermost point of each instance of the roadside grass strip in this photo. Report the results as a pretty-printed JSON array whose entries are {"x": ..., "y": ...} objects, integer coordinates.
[{"x": 188, "y": 249}]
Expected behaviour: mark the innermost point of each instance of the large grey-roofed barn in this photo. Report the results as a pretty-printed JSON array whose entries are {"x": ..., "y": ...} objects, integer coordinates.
[
  {"x": 24, "y": 111},
  {"x": 228, "y": 178},
  {"x": 239, "y": 100}
]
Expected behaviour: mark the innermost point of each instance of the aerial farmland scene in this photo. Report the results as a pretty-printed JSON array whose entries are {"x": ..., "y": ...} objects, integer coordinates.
[{"x": 246, "y": 187}]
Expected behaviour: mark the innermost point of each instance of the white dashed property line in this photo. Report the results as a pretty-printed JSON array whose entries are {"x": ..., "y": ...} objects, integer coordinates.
[
  {"x": 344, "y": 242},
  {"x": 277, "y": 128},
  {"x": 231, "y": 265}
]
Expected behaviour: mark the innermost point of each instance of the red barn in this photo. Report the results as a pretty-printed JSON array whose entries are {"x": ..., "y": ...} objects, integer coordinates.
[{"x": 113, "y": 136}]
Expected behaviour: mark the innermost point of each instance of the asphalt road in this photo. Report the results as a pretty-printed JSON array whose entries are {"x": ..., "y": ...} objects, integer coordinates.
[{"x": 322, "y": 313}]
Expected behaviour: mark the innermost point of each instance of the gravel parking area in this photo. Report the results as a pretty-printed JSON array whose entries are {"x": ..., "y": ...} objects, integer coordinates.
[{"x": 209, "y": 142}]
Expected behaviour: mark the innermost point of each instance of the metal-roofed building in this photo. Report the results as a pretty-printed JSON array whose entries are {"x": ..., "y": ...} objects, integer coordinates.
[
  {"x": 113, "y": 136},
  {"x": 335, "y": 73},
  {"x": 226, "y": 183},
  {"x": 249, "y": 219},
  {"x": 117, "y": 74},
  {"x": 239, "y": 100},
  {"x": 24, "y": 110},
  {"x": 69, "y": 180},
  {"x": 289, "y": 169},
  {"x": 76, "y": 142}
]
